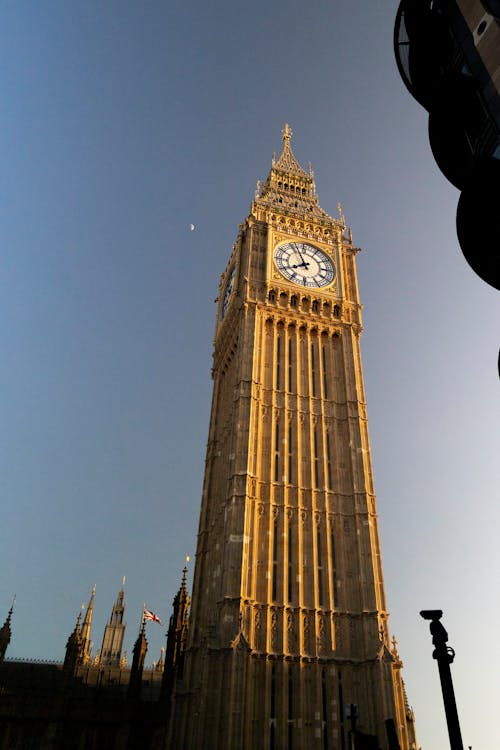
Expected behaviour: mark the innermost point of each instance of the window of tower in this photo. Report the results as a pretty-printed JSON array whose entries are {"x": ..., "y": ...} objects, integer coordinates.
[
  {"x": 290, "y": 707},
  {"x": 290, "y": 453},
  {"x": 278, "y": 361},
  {"x": 290, "y": 560},
  {"x": 293, "y": 300},
  {"x": 325, "y": 374},
  {"x": 313, "y": 370},
  {"x": 320, "y": 567},
  {"x": 328, "y": 461},
  {"x": 275, "y": 561},
  {"x": 336, "y": 311},
  {"x": 276, "y": 452},
  {"x": 272, "y": 722},
  {"x": 272, "y": 296},
  {"x": 324, "y": 710},
  {"x": 315, "y": 306},
  {"x": 316, "y": 458},
  {"x": 334, "y": 566}
]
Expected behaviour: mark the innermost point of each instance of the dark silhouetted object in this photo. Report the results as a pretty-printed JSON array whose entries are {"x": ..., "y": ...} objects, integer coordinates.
[
  {"x": 448, "y": 55},
  {"x": 140, "y": 650},
  {"x": 444, "y": 656},
  {"x": 392, "y": 735},
  {"x": 6, "y": 633}
]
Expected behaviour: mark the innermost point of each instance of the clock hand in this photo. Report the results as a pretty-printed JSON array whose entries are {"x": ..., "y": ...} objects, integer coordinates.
[
  {"x": 301, "y": 265},
  {"x": 294, "y": 245}
]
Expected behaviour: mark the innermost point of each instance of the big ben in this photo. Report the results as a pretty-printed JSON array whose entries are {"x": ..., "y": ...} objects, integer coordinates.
[{"x": 288, "y": 643}]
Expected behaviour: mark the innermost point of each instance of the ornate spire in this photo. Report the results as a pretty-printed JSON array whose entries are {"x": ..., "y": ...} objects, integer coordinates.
[
  {"x": 176, "y": 637},
  {"x": 86, "y": 627},
  {"x": 140, "y": 650},
  {"x": 287, "y": 161},
  {"x": 289, "y": 188},
  {"x": 6, "y": 631},
  {"x": 74, "y": 649}
]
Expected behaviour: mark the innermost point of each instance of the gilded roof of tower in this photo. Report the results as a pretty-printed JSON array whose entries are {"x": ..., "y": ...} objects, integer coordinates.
[
  {"x": 289, "y": 187},
  {"x": 287, "y": 161}
]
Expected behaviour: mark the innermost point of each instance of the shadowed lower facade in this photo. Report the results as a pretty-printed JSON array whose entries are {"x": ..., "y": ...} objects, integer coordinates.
[{"x": 288, "y": 631}]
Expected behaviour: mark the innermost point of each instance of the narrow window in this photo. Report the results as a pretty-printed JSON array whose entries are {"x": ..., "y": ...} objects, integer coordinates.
[
  {"x": 313, "y": 371},
  {"x": 323, "y": 706},
  {"x": 334, "y": 566},
  {"x": 275, "y": 560},
  {"x": 328, "y": 461},
  {"x": 272, "y": 723},
  {"x": 290, "y": 708},
  {"x": 290, "y": 563},
  {"x": 316, "y": 459},
  {"x": 320, "y": 567},
  {"x": 325, "y": 377},
  {"x": 341, "y": 712},
  {"x": 290, "y": 463},
  {"x": 277, "y": 452},
  {"x": 290, "y": 361},
  {"x": 278, "y": 356}
]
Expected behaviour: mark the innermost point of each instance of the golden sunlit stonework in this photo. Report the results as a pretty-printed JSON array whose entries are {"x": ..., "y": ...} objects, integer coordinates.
[{"x": 289, "y": 628}]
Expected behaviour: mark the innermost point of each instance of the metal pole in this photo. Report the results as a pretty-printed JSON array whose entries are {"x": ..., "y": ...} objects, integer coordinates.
[{"x": 444, "y": 656}]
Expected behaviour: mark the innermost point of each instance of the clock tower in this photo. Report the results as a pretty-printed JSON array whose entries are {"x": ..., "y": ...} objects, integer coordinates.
[{"x": 288, "y": 642}]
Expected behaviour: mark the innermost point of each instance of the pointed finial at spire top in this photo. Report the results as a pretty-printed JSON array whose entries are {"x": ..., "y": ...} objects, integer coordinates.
[{"x": 287, "y": 132}]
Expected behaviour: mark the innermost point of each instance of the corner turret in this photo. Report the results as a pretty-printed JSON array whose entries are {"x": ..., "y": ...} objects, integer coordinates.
[
  {"x": 74, "y": 650},
  {"x": 6, "y": 632},
  {"x": 140, "y": 649},
  {"x": 86, "y": 627},
  {"x": 176, "y": 638}
]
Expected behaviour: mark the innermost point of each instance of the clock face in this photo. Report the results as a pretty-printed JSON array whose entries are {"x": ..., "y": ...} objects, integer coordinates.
[
  {"x": 227, "y": 292},
  {"x": 304, "y": 264}
]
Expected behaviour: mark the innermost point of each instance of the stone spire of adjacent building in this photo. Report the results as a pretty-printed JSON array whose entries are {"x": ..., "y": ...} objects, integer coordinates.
[
  {"x": 140, "y": 649},
  {"x": 74, "y": 650},
  {"x": 176, "y": 637},
  {"x": 114, "y": 632},
  {"x": 86, "y": 628},
  {"x": 6, "y": 632}
]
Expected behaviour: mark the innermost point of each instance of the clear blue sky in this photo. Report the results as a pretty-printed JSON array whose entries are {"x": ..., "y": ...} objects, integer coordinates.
[{"x": 121, "y": 123}]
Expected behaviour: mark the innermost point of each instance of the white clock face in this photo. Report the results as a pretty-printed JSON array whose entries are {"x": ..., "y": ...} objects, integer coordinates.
[
  {"x": 304, "y": 264},
  {"x": 227, "y": 292}
]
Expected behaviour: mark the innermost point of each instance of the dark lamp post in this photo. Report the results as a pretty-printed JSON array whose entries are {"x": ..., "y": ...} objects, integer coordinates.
[{"x": 444, "y": 656}]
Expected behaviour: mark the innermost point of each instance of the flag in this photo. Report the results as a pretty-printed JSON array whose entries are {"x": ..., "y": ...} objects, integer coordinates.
[{"x": 151, "y": 616}]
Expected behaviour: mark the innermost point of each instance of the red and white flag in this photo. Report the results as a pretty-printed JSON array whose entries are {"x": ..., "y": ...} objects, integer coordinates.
[{"x": 151, "y": 616}]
